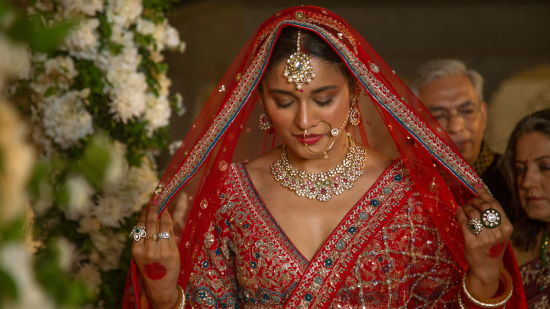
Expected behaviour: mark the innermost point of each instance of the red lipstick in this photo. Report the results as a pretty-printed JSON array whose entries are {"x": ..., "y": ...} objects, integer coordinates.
[{"x": 309, "y": 139}]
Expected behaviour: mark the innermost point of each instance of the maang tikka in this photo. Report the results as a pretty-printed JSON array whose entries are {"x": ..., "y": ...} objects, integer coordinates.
[{"x": 298, "y": 69}]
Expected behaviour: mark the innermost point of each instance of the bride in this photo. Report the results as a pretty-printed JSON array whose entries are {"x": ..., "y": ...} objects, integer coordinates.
[{"x": 351, "y": 197}]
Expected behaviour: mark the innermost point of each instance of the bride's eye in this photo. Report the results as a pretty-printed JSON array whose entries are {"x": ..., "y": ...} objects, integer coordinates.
[
  {"x": 323, "y": 101},
  {"x": 283, "y": 103}
]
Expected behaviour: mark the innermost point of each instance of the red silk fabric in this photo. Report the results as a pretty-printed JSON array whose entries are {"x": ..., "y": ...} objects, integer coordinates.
[{"x": 393, "y": 118}]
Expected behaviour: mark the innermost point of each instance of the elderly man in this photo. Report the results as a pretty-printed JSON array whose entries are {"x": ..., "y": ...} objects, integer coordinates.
[{"x": 454, "y": 95}]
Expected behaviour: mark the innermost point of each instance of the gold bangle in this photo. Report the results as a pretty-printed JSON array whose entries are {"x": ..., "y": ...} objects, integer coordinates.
[
  {"x": 181, "y": 299},
  {"x": 495, "y": 302}
]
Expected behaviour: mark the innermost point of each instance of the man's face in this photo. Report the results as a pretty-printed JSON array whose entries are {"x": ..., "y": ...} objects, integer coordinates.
[{"x": 453, "y": 102}]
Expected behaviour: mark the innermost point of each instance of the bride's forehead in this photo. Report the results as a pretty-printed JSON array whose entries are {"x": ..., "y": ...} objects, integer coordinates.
[{"x": 324, "y": 71}]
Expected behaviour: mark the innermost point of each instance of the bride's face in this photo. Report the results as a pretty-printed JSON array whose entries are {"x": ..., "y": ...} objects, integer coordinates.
[{"x": 320, "y": 105}]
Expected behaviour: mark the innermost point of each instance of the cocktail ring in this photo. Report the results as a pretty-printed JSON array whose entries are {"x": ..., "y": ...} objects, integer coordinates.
[
  {"x": 163, "y": 235},
  {"x": 474, "y": 226},
  {"x": 490, "y": 218},
  {"x": 138, "y": 232}
]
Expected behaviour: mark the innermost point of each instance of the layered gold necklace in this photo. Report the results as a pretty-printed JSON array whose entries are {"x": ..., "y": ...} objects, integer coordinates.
[{"x": 321, "y": 186}]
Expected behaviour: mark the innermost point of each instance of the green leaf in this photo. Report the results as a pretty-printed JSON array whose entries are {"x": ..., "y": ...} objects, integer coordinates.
[
  {"x": 8, "y": 292},
  {"x": 12, "y": 231},
  {"x": 39, "y": 36},
  {"x": 89, "y": 76},
  {"x": 95, "y": 160},
  {"x": 62, "y": 288}
]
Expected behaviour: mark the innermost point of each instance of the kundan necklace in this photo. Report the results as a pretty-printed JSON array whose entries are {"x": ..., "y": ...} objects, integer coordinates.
[{"x": 321, "y": 186}]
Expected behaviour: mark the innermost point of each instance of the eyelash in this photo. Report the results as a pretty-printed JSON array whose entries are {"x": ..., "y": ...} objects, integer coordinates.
[
  {"x": 323, "y": 103},
  {"x": 320, "y": 103}
]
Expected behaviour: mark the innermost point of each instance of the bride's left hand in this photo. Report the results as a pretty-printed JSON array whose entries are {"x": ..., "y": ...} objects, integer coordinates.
[{"x": 484, "y": 252}]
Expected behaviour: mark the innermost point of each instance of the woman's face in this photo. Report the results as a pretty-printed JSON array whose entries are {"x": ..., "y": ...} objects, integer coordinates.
[
  {"x": 532, "y": 164},
  {"x": 326, "y": 99}
]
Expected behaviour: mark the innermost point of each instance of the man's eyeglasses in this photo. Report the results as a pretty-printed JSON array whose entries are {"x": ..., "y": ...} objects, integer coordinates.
[{"x": 467, "y": 112}]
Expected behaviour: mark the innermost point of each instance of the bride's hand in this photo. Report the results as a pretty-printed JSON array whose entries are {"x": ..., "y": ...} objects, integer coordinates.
[
  {"x": 158, "y": 260},
  {"x": 485, "y": 250}
]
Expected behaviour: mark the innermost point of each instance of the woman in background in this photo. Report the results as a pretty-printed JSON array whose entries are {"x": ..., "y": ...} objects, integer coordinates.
[{"x": 527, "y": 167}]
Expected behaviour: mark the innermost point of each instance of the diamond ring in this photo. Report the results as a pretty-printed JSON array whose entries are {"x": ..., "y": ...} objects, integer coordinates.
[
  {"x": 474, "y": 226},
  {"x": 490, "y": 218},
  {"x": 163, "y": 235},
  {"x": 138, "y": 232}
]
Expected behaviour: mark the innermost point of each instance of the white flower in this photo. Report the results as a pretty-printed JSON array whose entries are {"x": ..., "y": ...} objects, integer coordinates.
[
  {"x": 15, "y": 60},
  {"x": 109, "y": 246},
  {"x": 142, "y": 181},
  {"x": 145, "y": 26},
  {"x": 110, "y": 210},
  {"x": 128, "y": 86},
  {"x": 65, "y": 119},
  {"x": 17, "y": 262},
  {"x": 122, "y": 36},
  {"x": 128, "y": 98},
  {"x": 172, "y": 38},
  {"x": 83, "y": 41},
  {"x": 66, "y": 253},
  {"x": 118, "y": 167},
  {"x": 157, "y": 113},
  {"x": 16, "y": 158},
  {"x": 80, "y": 192},
  {"x": 124, "y": 12},
  {"x": 164, "y": 83},
  {"x": 57, "y": 72},
  {"x": 174, "y": 146},
  {"x": 90, "y": 275},
  {"x": 88, "y": 7}
]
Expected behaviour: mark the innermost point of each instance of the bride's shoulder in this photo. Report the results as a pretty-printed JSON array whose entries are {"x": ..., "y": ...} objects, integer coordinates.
[
  {"x": 377, "y": 161},
  {"x": 263, "y": 162}
]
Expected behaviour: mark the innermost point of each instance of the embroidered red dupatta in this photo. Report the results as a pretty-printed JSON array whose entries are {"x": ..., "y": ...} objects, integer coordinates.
[{"x": 393, "y": 120}]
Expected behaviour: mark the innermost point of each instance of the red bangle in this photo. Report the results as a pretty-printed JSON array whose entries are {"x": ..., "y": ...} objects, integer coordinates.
[{"x": 475, "y": 301}]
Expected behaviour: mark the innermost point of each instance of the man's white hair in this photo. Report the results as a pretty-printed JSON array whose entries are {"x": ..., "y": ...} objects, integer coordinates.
[{"x": 439, "y": 68}]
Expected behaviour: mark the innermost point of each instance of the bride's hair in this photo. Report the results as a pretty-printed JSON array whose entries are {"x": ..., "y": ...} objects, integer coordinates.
[{"x": 311, "y": 45}]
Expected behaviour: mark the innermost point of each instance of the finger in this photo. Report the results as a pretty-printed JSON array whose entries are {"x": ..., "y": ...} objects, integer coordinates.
[
  {"x": 483, "y": 192},
  {"x": 142, "y": 216},
  {"x": 151, "y": 224},
  {"x": 481, "y": 204},
  {"x": 463, "y": 220},
  {"x": 140, "y": 223},
  {"x": 167, "y": 226},
  {"x": 180, "y": 212},
  {"x": 471, "y": 212}
]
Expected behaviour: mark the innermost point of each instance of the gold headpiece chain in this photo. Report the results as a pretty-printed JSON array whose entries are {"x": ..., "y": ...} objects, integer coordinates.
[{"x": 298, "y": 69}]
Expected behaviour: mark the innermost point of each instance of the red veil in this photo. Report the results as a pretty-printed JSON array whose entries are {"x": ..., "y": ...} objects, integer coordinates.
[{"x": 226, "y": 131}]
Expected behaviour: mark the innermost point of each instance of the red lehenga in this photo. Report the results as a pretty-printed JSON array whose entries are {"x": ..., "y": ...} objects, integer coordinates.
[
  {"x": 400, "y": 246},
  {"x": 385, "y": 253}
]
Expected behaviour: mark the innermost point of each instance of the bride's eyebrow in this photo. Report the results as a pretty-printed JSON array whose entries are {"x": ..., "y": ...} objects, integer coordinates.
[
  {"x": 314, "y": 91},
  {"x": 321, "y": 89}
]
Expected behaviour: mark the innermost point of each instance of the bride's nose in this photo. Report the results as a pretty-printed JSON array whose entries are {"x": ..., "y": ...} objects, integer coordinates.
[{"x": 305, "y": 117}]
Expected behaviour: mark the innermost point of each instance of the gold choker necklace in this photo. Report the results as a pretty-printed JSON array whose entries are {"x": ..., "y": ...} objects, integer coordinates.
[{"x": 321, "y": 186}]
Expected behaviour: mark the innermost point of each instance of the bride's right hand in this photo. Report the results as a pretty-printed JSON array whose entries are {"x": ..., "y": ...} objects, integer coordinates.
[{"x": 158, "y": 260}]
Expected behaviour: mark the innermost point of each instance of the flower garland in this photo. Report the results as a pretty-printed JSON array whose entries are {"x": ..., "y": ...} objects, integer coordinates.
[{"x": 100, "y": 106}]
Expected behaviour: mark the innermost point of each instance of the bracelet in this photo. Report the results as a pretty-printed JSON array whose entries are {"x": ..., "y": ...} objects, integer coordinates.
[
  {"x": 495, "y": 302},
  {"x": 181, "y": 299}
]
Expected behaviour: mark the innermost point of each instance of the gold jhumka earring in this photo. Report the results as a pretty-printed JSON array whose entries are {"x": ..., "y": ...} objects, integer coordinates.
[
  {"x": 298, "y": 69},
  {"x": 355, "y": 114},
  {"x": 264, "y": 122}
]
